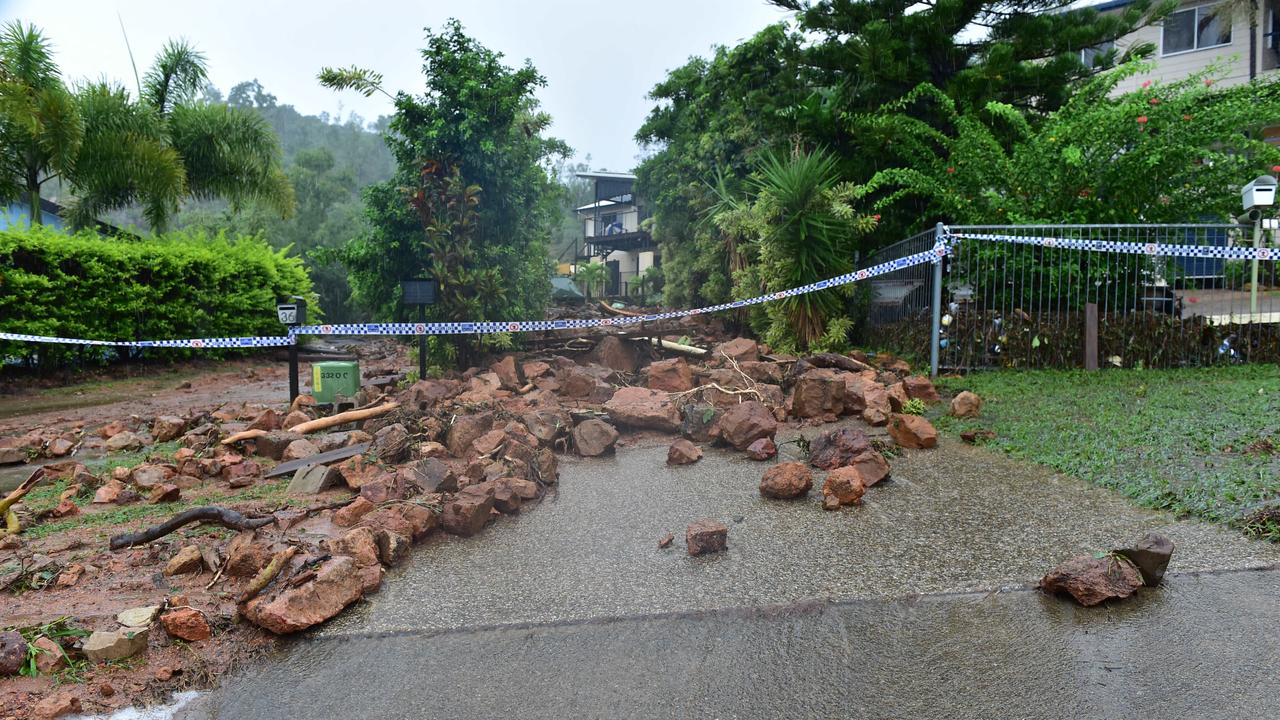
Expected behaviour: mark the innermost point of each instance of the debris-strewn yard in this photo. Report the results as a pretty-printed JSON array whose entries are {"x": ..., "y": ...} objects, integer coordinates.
[{"x": 1200, "y": 442}]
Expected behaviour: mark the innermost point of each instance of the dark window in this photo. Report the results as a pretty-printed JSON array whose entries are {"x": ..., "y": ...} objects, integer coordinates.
[
  {"x": 1092, "y": 56},
  {"x": 1196, "y": 29}
]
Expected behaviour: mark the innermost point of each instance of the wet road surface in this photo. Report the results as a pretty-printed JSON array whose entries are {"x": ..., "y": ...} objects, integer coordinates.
[{"x": 915, "y": 604}]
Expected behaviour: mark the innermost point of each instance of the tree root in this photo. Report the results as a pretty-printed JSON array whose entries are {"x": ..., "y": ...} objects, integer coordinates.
[{"x": 210, "y": 513}]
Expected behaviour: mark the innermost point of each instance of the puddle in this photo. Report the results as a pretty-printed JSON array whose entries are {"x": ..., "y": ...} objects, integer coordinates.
[{"x": 155, "y": 712}]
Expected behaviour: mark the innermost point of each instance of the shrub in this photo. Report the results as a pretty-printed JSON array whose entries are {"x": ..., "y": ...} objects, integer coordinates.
[{"x": 180, "y": 285}]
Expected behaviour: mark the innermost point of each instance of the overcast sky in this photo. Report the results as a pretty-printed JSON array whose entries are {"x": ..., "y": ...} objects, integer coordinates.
[{"x": 600, "y": 59}]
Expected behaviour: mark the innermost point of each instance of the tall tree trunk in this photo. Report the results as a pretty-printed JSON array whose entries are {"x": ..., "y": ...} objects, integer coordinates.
[
  {"x": 1253, "y": 42},
  {"x": 33, "y": 195}
]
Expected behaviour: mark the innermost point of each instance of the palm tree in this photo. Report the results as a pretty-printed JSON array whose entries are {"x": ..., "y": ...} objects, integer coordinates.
[
  {"x": 1227, "y": 12},
  {"x": 588, "y": 276},
  {"x": 167, "y": 146},
  {"x": 40, "y": 127}
]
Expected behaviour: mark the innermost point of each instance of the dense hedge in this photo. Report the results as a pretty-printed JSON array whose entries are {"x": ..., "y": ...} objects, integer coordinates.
[{"x": 179, "y": 285}]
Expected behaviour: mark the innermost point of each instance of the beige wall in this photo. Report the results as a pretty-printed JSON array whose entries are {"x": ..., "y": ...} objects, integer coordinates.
[{"x": 1232, "y": 59}]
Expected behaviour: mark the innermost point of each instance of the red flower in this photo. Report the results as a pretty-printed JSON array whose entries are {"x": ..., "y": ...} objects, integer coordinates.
[
  {"x": 1154, "y": 101},
  {"x": 1208, "y": 82},
  {"x": 951, "y": 171},
  {"x": 1275, "y": 168},
  {"x": 1084, "y": 192},
  {"x": 1142, "y": 119},
  {"x": 876, "y": 217},
  {"x": 1186, "y": 117},
  {"x": 1146, "y": 84}
]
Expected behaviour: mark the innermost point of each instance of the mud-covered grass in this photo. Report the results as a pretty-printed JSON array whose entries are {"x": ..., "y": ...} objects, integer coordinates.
[{"x": 1199, "y": 442}]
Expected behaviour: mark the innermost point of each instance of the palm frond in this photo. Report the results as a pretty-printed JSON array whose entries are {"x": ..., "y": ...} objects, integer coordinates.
[{"x": 176, "y": 76}]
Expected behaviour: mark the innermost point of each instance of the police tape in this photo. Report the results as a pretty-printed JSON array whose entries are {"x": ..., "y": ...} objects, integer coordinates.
[
  {"x": 481, "y": 328},
  {"x": 944, "y": 246},
  {"x": 1220, "y": 252},
  {"x": 198, "y": 343}
]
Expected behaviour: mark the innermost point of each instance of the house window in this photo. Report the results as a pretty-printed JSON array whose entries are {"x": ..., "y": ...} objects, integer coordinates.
[
  {"x": 1092, "y": 56},
  {"x": 1196, "y": 29}
]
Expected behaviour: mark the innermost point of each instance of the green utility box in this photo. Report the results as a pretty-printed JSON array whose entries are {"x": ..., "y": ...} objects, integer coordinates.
[{"x": 332, "y": 380}]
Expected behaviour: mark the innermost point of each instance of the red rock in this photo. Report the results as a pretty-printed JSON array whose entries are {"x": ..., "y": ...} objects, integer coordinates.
[
  {"x": 465, "y": 430},
  {"x": 391, "y": 444},
  {"x": 242, "y": 474},
  {"x": 617, "y": 354},
  {"x": 426, "y": 394},
  {"x": 666, "y": 540},
  {"x": 699, "y": 422},
  {"x": 393, "y": 548},
  {"x": 186, "y": 624},
  {"x": 786, "y": 481},
  {"x": 762, "y": 371},
  {"x": 747, "y": 422},
  {"x": 391, "y": 486},
  {"x": 876, "y": 405},
  {"x": 111, "y": 429},
  {"x": 579, "y": 383},
  {"x": 644, "y": 409},
  {"x": 55, "y": 706},
  {"x": 510, "y": 374},
  {"x": 273, "y": 444},
  {"x": 683, "y": 452},
  {"x": 919, "y": 387},
  {"x": 739, "y": 349},
  {"x": 836, "y": 448},
  {"x": 350, "y": 514},
  {"x": 109, "y": 492},
  {"x": 845, "y": 484},
  {"x": 289, "y": 609},
  {"x": 671, "y": 375},
  {"x": 60, "y": 447},
  {"x": 973, "y": 437},
  {"x": 356, "y": 472},
  {"x": 706, "y": 536},
  {"x": 535, "y": 369},
  {"x": 489, "y": 443},
  {"x": 525, "y": 489},
  {"x": 66, "y": 508},
  {"x": 411, "y": 521},
  {"x": 898, "y": 397},
  {"x": 299, "y": 449},
  {"x": 1092, "y": 580},
  {"x": 592, "y": 438},
  {"x": 163, "y": 493},
  {"x": 830, "y": 502},
  {"x": 817, "y": 396},
  {"x": 146, "y": 477},
  {"x": 762, "y": 449},
  {"x": 966, "y": 405},
  {"x": 13, "y": 652},
  {"x": 246, "y": 555},
  {"x": 50, "y": 657},
  {"x": 296, "y": 417},
  {"x": 267, "y": 420},
  {"x": 547, "y": 426},
  {"x": 912, "y": 431},
  {"x": 505, "y": 498},
  {"x": 360, "y": 543},
  {"x": 466, "y": 515}
]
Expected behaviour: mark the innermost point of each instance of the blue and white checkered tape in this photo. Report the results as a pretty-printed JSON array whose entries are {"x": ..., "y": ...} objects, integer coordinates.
[{"x": 1125, "y": 248}]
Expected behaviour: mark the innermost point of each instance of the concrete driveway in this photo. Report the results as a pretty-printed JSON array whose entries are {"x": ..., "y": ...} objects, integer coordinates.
[{"x": 916, "y": 604}]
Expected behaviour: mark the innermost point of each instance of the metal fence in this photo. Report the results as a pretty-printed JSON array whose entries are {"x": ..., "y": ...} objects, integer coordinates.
[{"x": 1014, "y": 297}]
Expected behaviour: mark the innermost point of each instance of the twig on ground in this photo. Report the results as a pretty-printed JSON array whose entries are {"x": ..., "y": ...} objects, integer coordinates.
[
  {"x": 210, "y": 513},
  {"x": 268, "y": 573}
]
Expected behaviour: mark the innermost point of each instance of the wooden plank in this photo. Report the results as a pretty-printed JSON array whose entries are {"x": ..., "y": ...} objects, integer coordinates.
[{"x": 323, "y": 458}]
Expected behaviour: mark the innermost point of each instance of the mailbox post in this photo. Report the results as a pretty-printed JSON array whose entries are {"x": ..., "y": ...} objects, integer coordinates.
[
  {"x": 292, "y": 314},
  {"x": 420, "y": 292}
]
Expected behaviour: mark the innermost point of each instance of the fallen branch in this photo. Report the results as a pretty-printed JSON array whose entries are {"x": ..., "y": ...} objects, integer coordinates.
[
  {"x": 243, "y": 435},
  {"x": 727, "y": 391},
  {"x": 343, "y": 418},
  {"x": 268, "y": 573},
  {"x": 832, "y": 360},
  {"x": 619, "y": 311},
  {"x": 12, "y": 526},
  {"x": 679, "y": 348},
  {"x": 210, "y": 513}
]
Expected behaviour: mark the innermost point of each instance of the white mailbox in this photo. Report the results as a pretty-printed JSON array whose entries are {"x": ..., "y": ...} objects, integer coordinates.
[{"x": 1259, "y": 193}]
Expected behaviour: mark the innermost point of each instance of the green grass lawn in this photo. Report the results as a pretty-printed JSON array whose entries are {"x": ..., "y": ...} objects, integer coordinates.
[{"x": 1199, "y": 442}]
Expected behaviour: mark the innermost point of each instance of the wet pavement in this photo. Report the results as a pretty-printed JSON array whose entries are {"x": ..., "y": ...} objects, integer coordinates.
[{"x": 916, "y": 604}]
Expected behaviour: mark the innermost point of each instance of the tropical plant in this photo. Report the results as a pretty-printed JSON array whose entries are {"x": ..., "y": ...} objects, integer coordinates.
[
  {"x": 40, "y": 125},
  {"x": 590, "y": 275},
  {"x": 649, "y": 281},
  {"x": 167, "y": 146},
  {"x": 471, "y": 154}
]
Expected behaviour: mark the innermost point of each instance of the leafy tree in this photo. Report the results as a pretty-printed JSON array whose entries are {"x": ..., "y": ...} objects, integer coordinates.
[
  {"x": 711, "y": 116},
  {"x": 472, "y": 202},
  {"x": 40, "y": 125},
  {"x": 590, "y": 275}
]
